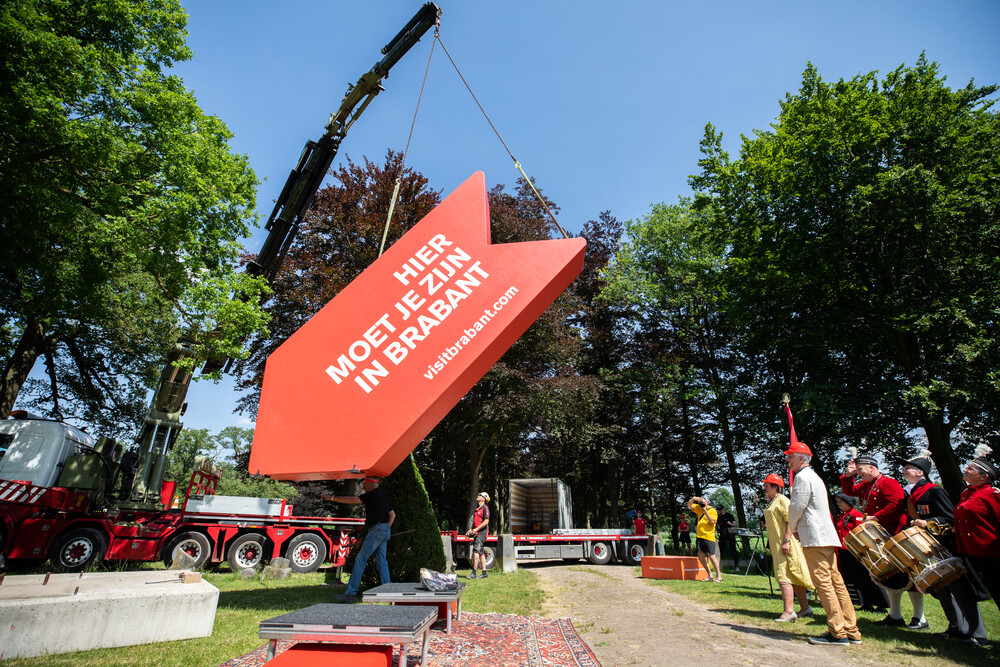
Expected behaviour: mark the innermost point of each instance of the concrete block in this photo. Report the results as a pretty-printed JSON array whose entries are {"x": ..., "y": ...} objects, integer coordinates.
[
  {"x": 505, "y": 553},
  {"x": 80, "y": 612}
]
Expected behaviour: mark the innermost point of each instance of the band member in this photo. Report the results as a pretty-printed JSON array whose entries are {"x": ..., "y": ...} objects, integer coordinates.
[
  {"x": 977, "y": 520},
  {"x": 882, "y": 499},
  {"x": 929, "y": 502},
  {"x": 870, "y": 596},
  {"x": 810, "y": 522}
]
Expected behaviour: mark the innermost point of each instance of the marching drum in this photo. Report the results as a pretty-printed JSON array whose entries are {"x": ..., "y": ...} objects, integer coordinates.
[
  {"x": 924, "y": 560},
  {"x": 867, "y": 543}
]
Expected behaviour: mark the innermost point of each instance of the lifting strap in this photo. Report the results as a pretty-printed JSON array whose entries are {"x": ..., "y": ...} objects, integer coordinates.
[
  {"x": 399, "y": 176},
  {"x": 402, "y": 165}
]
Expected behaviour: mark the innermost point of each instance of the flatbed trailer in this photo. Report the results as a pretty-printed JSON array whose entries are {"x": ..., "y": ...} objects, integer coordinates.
[{"x": 545, "y": 508}]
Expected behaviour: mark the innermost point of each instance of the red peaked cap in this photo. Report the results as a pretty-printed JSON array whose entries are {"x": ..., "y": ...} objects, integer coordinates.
[
  {"x": 774, "y": 479},
  {"x": 799, "y": 448}
]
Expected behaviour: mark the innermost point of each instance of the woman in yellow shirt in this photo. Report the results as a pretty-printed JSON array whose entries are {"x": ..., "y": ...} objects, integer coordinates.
[
  {"x": 705, "y": 536},
  {"x": 790, "y": 567}
]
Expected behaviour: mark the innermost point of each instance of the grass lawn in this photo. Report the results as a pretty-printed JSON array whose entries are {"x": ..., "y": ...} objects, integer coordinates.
[
  {"x": 243, "y": 604},
  {"x": 748, "y": 600}
]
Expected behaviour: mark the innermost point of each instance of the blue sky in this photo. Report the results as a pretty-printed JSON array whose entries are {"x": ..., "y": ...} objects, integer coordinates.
[{"x": 602, "y": 103}]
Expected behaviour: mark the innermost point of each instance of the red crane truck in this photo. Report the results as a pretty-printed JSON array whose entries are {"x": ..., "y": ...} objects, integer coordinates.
[{"x": 76, "y": 499}]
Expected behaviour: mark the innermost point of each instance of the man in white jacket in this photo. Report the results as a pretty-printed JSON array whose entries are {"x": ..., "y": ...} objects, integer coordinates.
[{"x": 810, "y": 521}]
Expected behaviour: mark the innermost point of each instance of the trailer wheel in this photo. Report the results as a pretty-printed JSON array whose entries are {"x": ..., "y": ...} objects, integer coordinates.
[
  {"x": 489, "y": 557},
  {"x": 194, "y": 544},
  {"x": 306, "y": 552},
  {"x": 247, "y": 551},
  {"x": 634, "y": 551},
  {"x": 600, "y": 553},
  {"x": 77, "y": 549}
]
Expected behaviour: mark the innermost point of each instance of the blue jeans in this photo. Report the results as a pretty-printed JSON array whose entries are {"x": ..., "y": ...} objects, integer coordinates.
[{"x": 375, "y": 541}]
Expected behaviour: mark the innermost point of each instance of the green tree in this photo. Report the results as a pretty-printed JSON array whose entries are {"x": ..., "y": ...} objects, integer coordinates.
[
  {"x": 866, "y": 246},
  {"x": 674, "y": 270},
  {"x": 121, "y": 205}
]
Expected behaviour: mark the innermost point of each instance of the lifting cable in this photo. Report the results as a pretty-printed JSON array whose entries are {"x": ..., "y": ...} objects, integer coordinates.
[
  {"x": 395, "y": 193},
  {"x": 516, "y": 163}
]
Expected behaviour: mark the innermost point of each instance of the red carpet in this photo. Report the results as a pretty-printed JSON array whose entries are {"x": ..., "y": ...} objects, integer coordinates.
[{"x": 486, "y": 640}]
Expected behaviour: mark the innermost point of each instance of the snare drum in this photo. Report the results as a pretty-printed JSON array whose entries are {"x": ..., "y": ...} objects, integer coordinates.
[
  {"x": 925, "y": 561},
  {"x": 867, "y": 543}
]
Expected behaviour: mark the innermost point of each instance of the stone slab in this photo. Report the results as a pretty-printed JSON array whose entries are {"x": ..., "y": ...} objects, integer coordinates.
[{"x": 80, "y": 612}]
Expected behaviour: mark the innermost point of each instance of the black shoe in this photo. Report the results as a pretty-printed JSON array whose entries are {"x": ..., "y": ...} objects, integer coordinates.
[
  {"x": 973, "y": 641},
  {"x": 892, "y": 622},
  {"x": 483, "y": 575},
  {"x": 829, "y": 640},
  {"x": 473, "y": 575},
  {"x": 917, "y": 624},
  {"x": 950, "y": 633},
  {"x": 349, "y": 599},
  {"x": 854, "y": 642}
]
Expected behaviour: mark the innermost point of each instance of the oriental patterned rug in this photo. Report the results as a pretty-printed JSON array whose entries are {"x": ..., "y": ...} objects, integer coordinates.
[{"x": 485, "y": 640}]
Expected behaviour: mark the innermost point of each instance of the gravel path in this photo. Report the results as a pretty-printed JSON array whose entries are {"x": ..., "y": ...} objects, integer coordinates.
[{"x": 628, "y": 622}]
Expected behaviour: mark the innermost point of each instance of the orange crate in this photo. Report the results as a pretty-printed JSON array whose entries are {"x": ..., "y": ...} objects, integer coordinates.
[{"x": 684, "y": 568}]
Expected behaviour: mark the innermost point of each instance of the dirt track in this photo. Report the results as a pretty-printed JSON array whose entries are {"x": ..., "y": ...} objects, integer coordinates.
[{"x": 627, "y": 622}]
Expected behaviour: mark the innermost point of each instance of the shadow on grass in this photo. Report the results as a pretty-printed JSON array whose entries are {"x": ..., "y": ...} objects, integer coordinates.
[
  {"x": 781, "y": 635},
  {"x": 275, "y": 599},
  {"x": 924, "y": 644}
]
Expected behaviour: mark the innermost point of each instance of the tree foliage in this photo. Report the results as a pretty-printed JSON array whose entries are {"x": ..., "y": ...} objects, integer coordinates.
[
  {"x": 865, "y": 243},
  {"x": 121, "y": 206}
]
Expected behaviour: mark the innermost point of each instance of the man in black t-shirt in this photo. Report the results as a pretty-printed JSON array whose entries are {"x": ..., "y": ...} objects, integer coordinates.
[{"x": 379, "y": 516}]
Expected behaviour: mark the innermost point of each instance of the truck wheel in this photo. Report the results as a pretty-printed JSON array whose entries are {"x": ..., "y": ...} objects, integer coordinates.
[
  {"x": 306, "y": 552},
  {"x": 600, "y": 553},
  {"x": 634, "y": 551},
  {"x": 489, "y": 556},
  {"x": 247, "y": 551},
  {"x": 194, "y": 544},
  {"x": 77, "y": 549}
]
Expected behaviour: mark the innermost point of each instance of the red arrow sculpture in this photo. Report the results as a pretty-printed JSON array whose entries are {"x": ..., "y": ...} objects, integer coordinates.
[{"x": 357, "y": 388}]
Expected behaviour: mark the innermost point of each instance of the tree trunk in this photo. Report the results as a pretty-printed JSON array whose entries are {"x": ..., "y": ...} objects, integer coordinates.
[
  {"x": 939, "y": 442},
  {"x": 689, "y": 446},
  {"x": 734, "y": 477},
  {"x": 29, "y": 348}
]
